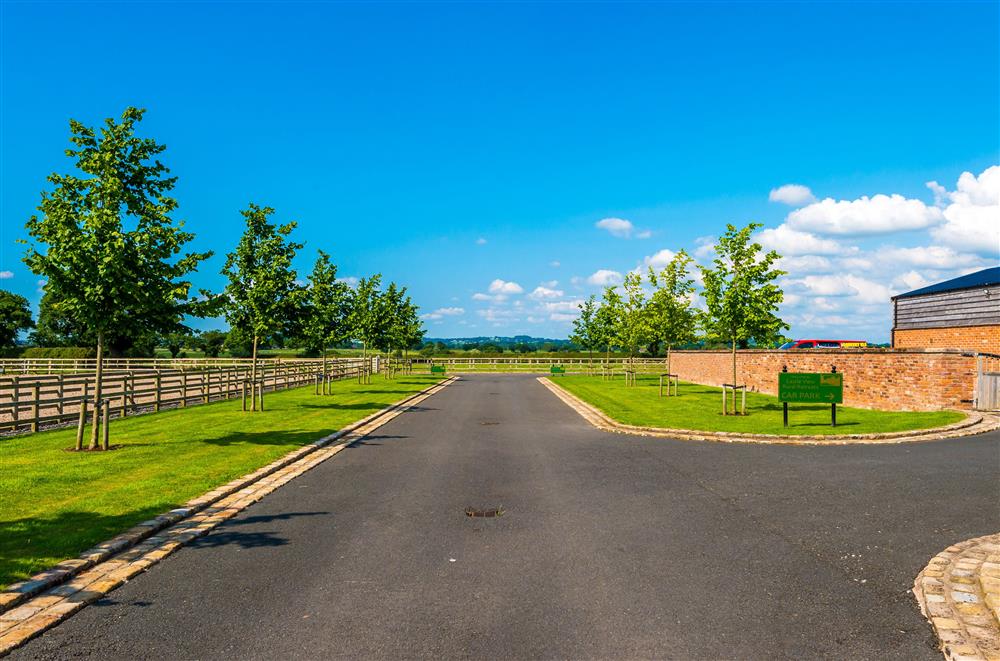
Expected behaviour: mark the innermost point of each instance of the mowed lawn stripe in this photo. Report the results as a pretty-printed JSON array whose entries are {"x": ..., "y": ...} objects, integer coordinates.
[
  {"x": 699, "y": 407},
  {"x": 55, "y": 504}
]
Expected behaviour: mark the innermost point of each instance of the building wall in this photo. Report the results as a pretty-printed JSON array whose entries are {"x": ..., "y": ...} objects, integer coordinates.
[
  {"x": 965, "y": 307},
  {"x": 881, "y": 379},
  {"x": 968, "y": 338}
]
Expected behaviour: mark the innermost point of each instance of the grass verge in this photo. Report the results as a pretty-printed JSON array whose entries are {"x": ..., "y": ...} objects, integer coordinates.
[
  {"x": 56, "y": 504},
  {"x": 699, "y": 407}
]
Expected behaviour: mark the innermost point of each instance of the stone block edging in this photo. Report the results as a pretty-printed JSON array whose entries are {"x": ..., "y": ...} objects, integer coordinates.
[
  {"x": 974, "y": 423},
  {"x": 959, "y": 594},
  {"x": 17, "y": 593}
]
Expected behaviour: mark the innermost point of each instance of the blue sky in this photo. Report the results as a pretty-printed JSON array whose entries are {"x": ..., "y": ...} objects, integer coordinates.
[{"x": 453, "y": 145}]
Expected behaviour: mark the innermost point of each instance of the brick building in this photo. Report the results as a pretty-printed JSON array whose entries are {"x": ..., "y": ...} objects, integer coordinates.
[{"x": 963, "y": 313}]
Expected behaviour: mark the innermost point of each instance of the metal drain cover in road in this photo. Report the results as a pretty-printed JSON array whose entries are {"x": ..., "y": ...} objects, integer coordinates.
[{"x": 493, "y": 512}]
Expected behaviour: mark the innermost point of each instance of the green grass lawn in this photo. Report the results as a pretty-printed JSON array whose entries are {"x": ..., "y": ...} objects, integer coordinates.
[
  {"x": 55, "y": 504},
  {"x": 699, "y": 408}
]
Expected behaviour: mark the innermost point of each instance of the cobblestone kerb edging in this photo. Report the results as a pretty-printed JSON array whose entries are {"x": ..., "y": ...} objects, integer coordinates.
[
  {"x": 72, "y": 584},
  {"x": 974, "y": 423},
  {"x": 959, "y": 594}
]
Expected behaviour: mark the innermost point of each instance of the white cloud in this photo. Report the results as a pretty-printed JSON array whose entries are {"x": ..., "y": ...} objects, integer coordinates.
[
  {"x": 555, "y": 263},
  {"x": 543, "y": 293},
  {"x": 480, "y": 241},
  {"x": 880, "y": 214},
  {"x": 659, "y": 260},
  {"x": 972, "y": 218},
  {"x": 792, "y": 195},
  {"x": 931, "y": 257},
  {"x": 644, "y": 234},
  {"x": 505, "y": 287},
  {"x": 616, "y": 226},
  {"x": 863, "y": 290},
  {"x": 562, "y": 317},
  {"x": 605, "y": 278},
  {"x": 706, "y": 246},
  {"x": 444, "y": 312},
  {"x": 909, "y": 281},
  {"x": 478, "y": 296},
  {"x": 805, "y": 264},
  {"x": 6, "y": 275},
  {"x": 350, "y": 280},
  {"x": 788, "y": 241},
  {"x": 563, "y": 306}
]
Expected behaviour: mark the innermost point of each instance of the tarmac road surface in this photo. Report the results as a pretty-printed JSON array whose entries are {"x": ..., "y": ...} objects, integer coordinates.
[{"x": 611, "y": 546}]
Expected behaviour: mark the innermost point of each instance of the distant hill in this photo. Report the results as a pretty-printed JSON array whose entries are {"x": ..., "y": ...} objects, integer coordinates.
[{"x": 499, "y": 340}]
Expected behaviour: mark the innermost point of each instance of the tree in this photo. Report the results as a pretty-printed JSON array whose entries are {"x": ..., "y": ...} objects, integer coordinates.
[
  {"x": 740, "y": 292},
  {"x": 262, "y": 296},
  {"x": 672, "y": 316},
  {"x": 327, "y": 304},
  {"x": 606, "y": 320},
  {"x": 15, "y": 316},
  {"x": 112, "y": 252},
  {"x": 586, "y": 328},
  {"x": 631, "y": 326},
  {"x": 211, "y": 342},
  {"x": 365, "y": 320},
  {"x": 175, "y": 342}
]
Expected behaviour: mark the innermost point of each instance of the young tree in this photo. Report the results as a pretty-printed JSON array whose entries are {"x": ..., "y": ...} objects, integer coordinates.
[
  {"x": 366, "y": 319},
  {"x": 586, "y": 328},
  {"x": 175, "y": 342},
  {"x": 672, "y": 316},
  {"x": 262, "y": 296},
  {"x": 327, "y": 304},
  {"x": 740, "y": 292},
  {"x": 211, "y": 342},
  {"x": 112, "y": 251},
  {"x": 632, "y": 323},
  {"x": 606, "y": 320},
  {"x": 15, "y": 316}
]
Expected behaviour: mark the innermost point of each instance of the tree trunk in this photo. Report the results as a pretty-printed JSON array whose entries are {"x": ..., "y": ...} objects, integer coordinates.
[
  {"x": 323, "y": 389},
  {"x": 668, "y": 365},
  {"x": 98, "y": 376},
  {"x": 253, "y": 375},
  {"x": 734, "y": 376}
]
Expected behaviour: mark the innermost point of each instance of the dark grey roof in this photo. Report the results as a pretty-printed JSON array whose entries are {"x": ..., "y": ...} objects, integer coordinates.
[{"x": 984, "y": 278}]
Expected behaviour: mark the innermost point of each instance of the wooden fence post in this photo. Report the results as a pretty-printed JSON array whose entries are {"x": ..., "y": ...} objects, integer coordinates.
[
  {"x": 157, "y": 383},
  {"x": 17, "y": 399},
  {"x": 35, "y": 396},
  {"x": 184, "y": 388},
  {"x": 62, "y": 395},
  {"x": 83, "y": 418},
  {"x": 107, "y": 421}
]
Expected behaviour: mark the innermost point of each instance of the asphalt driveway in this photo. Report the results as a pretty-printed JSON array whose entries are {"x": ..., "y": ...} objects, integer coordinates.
[{"x": 612, "y": 546}]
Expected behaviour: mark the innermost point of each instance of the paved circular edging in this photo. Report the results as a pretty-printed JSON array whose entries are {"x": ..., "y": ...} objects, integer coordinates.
[
  {"x": 959, "y": 594},
  {"x": 974, "y": 423},
  {"x": 30, "y": 607}
]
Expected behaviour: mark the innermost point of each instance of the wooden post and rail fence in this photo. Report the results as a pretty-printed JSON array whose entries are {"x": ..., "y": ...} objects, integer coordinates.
[{"x": 30, "y": 400}]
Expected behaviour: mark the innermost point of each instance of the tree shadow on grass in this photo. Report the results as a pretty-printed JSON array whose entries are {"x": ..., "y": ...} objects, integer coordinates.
[
  {"x": 289, "y": 438},
  {"x": 28, "y": 545}
]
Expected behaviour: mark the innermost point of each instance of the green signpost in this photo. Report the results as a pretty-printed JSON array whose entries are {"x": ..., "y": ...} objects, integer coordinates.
[{"x": 811, "y": 388}]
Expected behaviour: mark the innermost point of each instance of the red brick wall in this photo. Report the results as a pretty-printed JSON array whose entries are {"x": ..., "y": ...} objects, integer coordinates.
[
  {"x": 969, "y": 338},
  {"x": 887, "y": 379}
]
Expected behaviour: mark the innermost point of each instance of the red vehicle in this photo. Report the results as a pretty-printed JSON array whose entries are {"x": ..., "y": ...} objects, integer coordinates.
[{"x": 824, "y": 344}]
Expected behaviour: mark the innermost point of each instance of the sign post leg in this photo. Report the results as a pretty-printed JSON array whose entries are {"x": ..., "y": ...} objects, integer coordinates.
[
  {"x": 833, "y": 414},
  {"x": 785, "y": 406}
]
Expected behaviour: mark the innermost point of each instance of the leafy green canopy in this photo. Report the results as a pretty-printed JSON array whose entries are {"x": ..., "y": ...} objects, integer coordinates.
[
  {"x": 327, "y": 304},
  {"x": 109, "y": 248},
  {"x": 672, "y": 316},
  {"x": 262, "y": 298},
  {"x": 15, "y": 316},
  {"x": 740, "y": 292}
]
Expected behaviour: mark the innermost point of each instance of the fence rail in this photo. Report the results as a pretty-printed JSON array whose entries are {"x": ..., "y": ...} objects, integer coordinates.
[
  {"x": 10, "y": 366},
  {"x": 29, "y": 401},
  {"x": 524, "y": 364}
]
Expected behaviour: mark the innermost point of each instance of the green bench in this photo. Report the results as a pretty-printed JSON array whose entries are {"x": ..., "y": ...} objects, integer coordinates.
[
  {"x": 557, "y": 369},
  {"x": 437, "y": 369}
]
